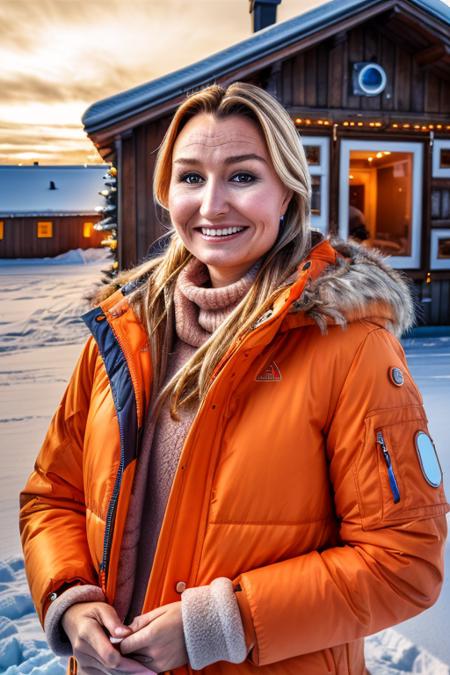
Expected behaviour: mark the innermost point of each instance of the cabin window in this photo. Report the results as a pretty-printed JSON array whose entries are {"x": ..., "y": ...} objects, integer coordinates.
[
  {"x": 87, "y": 230},
  {"x": 45, "y": 229},
  {"x": 317, "y": 151},
  {"x": 441, "y": 158},
  {"x": 2, "y": 229},
  {"x": 381, "y": 197},
  {"x": 440, "y": 249}
]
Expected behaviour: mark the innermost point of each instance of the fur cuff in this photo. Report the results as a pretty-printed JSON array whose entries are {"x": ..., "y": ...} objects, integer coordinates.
[
  {"x": 57, "y": 639},
  {"x": 212, "y": 624}
]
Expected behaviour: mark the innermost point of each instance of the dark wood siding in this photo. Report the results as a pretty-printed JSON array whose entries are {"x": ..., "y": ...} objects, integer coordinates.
[
  {"x": 433, "y": 302},
  {"x": 141, "y": 220},
  {"x": 321, "y": 77},
  {"x": 20, "y": 238}
]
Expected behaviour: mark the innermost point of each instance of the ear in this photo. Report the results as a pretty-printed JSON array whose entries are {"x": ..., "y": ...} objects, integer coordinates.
[{"x": 286, "y": 199}]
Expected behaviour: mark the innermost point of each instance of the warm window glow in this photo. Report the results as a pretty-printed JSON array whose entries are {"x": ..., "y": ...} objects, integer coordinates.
[
  {"x": 87, "y": 230},
  {"x": 380, "y": 207},
  {"x": 2, "y": 229},
  {"x": 45, "y": 229}
]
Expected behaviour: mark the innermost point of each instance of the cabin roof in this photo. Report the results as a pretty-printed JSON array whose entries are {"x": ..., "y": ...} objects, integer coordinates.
[
  {"x": 116, "y": 108},
  {"x": 24, "y": 190}
]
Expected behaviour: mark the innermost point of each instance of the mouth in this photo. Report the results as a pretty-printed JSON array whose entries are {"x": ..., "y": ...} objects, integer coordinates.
[{"x": 220, "y": 233}]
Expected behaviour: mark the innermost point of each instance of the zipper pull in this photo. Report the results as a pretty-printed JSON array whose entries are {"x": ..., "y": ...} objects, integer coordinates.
[{"x": 391, "y": 475}]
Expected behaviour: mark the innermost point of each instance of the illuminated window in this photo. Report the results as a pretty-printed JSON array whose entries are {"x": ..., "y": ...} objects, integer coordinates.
[
  {"x": 87, "y": 230},
  {"x": 317, "y": 155},
  {"x": 440, "y": 250},
  {"x": 45, "y": 229},
  {"x": 380, "y": 197},
  {"x": 2, "y": 229}
]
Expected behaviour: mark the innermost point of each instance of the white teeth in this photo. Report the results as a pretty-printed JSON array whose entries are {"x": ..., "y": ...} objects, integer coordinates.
[{"x": 221, "y": 233}]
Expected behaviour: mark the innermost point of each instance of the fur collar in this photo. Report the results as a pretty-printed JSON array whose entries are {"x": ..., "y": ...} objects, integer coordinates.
[{"x": 360, "y": 286}]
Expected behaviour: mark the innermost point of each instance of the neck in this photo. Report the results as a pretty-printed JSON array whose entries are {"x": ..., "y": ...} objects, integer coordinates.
[{"x": 226, "y": 277}]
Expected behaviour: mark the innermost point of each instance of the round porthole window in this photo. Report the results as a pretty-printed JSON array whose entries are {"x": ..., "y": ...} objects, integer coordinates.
[{"x": 369, "y": 79}]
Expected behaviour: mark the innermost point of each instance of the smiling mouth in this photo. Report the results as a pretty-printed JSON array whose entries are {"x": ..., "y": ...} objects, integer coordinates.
[{"x": 220, "y": 232}]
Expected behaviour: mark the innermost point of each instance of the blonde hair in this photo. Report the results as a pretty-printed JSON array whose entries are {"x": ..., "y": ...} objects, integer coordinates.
[{"x": 154, "y": 300}]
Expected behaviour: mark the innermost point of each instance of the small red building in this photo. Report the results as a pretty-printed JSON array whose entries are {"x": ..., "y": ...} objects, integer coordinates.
[
  {"x": 367, "y": 83},
  {"x": 47, "y": 210}
]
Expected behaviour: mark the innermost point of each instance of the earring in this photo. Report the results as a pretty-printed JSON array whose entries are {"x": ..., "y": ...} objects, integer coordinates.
[{"x": 281, "y": 221}]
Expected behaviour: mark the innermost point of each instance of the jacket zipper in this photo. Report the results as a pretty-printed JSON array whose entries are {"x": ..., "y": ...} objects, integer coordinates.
[
  {"x": 390, "y": 470},
  {"x": 110, "y": 520}
]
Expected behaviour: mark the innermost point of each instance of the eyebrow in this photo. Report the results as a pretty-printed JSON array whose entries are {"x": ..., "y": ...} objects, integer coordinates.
[{"x": 229, "y": 160}]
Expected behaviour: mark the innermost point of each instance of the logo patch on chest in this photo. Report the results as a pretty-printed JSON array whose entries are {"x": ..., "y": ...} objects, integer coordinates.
[{"x": 270, "y": 373}]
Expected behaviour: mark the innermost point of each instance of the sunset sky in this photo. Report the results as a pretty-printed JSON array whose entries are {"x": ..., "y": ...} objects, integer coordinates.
[{"x": 59, "y": 56}]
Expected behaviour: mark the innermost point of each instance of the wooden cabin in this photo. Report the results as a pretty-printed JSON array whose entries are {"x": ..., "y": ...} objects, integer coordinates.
[
  {"x": 367, "y": 85},
  {"x": 47, "y": 210}
]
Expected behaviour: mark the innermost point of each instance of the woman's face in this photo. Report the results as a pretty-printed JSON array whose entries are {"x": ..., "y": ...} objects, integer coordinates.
[{"x": 225, "y": 199}]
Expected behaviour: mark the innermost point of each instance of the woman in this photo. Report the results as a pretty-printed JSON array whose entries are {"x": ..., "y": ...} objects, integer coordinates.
[{"x": 234, "y": 471}]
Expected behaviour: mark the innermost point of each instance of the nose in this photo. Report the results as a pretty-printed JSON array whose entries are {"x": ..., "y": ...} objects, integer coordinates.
[{"x": 214, "y": 199}]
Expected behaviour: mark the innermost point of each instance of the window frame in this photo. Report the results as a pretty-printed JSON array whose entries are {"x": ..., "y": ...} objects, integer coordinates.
[
  {"x": 40, "y": 225},
  {"x": 435, "y": 263},
  {"x": 323, "y": 170},
  {"x": 416, "y": 149},
  {"x": 438, "y": 145},
  {"x": 91, "y": 227}
]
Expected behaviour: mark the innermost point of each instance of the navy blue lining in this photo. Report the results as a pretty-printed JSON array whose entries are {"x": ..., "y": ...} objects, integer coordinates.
[
  {"x": 120, "y": 381},
  {"x": 125, "y": 405}
]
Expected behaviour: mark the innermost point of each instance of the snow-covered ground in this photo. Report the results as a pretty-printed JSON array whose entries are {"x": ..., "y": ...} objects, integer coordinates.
[{"x": 40, "y": 339}]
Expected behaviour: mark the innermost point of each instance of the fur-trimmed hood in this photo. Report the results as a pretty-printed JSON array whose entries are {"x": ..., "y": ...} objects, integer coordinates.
[{"x": 360, "y": 286}]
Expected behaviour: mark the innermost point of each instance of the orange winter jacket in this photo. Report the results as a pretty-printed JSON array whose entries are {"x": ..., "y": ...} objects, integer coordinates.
[{"x": 299, "y": 479}]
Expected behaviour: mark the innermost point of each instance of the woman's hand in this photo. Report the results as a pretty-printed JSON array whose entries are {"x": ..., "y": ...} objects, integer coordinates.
[
  {"x": 85, "y": 624},
  {"x": 158, "y": 639}
]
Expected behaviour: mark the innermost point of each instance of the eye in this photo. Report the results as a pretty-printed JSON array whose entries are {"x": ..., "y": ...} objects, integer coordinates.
[
  {"x": 243, "y": 177},
  {"x": 190, "y": 178}
]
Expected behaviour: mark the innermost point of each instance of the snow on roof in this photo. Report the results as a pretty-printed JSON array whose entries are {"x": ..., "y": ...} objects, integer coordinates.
[
  {"x": 116, "y": 108},
  {"x": 26, "y": 190}
]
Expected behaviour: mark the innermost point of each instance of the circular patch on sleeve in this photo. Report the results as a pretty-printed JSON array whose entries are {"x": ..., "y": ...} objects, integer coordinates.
[
  {"x": 428, "y": 459},
  {"x": 396, "y": 376}
]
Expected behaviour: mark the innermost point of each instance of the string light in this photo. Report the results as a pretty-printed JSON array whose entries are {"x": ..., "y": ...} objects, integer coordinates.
[{"x": 372, "y": 124}]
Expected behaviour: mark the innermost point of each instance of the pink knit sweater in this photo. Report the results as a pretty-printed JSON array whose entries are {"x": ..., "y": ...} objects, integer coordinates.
[{"x": 199, "y": 310}]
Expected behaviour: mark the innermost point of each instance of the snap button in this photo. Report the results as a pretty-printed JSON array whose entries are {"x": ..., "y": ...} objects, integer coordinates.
[
  {"x": 180, "y": 587},
  {"x": 52, "y": 596},
  {"x": 306, "y": 266},
  {"x": 396, "y": 376}
]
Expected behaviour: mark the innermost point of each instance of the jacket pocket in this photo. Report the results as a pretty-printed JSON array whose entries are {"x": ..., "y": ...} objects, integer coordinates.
[{"x": 391, "y": 485}]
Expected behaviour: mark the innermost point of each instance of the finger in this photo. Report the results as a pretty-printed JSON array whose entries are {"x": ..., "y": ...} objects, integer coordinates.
[
  {"x": 143, "y": 620},
  {"x": 108, "y": 617},
  {"x": 137, "y": 642},
  {"x": 88, "y": 659},
  {"x": 94, "y": 645}
]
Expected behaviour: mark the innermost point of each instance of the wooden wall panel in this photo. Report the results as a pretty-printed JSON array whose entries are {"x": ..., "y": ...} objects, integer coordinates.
[
  {"x": 286, "y": 81},
  {"x": 417, "y": 88},
  {"x": 432, "y": 93},
  {"x": 410, "y": 88},
  {"x": 387, "y": 59},
  {"x": 21, "y": 241},
  {"x": 322, "y": 78},
  {"x": 371, "y": 53},
  {"x": 298, "y": 80},
  {"x": 336, "y": 68},
  {"x": 311, "y": 78},
  {"x": 402, "y": 86},
  {"x": 355, "y": 53},
  {"x": 127, "y": 203}
]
